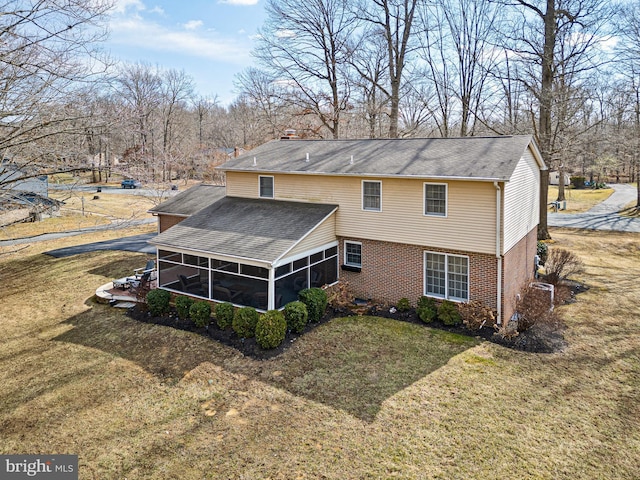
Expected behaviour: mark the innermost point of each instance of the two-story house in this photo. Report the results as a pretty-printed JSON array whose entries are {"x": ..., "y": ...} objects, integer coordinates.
[{"x": 450, "y": 218}]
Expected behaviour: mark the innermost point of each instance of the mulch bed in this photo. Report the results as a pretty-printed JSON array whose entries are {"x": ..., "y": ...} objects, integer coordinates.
[{"x": 539, "y": 339}]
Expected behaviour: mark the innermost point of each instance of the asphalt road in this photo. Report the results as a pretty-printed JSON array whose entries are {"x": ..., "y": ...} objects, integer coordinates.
[{"x": 603, "y": 216}]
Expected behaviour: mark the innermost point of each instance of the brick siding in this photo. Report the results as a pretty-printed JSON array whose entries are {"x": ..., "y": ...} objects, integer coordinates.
[
  {"x": 517, "y": 270},
  {"x": 391, "y": 271}
]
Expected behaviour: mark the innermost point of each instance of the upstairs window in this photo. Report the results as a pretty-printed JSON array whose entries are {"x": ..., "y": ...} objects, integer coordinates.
[
  {"x": 266, "y": 187},
  {"x": 435, "y": 199},
  {"x": 372, "y": 196}
]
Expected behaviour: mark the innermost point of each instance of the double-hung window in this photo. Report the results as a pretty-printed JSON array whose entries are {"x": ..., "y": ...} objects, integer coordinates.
[
  {"x": 372, "y": 196},
  {"x": 446, "y": 276},
  {"x": 266, "y": 187},
  {"x": 435, "y": 199},
  {"x": 353, "y": 254}
]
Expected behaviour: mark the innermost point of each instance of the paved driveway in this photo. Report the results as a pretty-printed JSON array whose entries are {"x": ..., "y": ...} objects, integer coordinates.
[{"x": 603, "y": 216}]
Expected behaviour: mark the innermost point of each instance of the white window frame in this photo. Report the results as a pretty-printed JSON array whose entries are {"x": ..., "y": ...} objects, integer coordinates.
[
  {"x": 366, "y": 209},
  {"x": 273, "y": 186},
  {"x": 447, "y": 295},
  {"x": 346, "y": 262},
  {"x": 424, "y": 200}
]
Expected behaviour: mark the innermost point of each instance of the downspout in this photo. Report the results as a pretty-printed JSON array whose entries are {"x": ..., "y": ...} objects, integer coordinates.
[{"x": 498, "y": 249}]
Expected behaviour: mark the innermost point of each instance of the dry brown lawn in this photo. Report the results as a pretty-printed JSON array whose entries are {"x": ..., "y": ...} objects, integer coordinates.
[
  {"x": 356, "y": 398},
  {"x": 579, "y": 201}
]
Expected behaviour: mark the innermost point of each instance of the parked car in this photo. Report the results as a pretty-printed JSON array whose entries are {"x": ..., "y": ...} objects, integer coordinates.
[{"x": 130, "y": 183}]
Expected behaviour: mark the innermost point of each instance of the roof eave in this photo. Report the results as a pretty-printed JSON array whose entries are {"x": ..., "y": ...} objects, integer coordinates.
[{"x": 372, "y": 175}]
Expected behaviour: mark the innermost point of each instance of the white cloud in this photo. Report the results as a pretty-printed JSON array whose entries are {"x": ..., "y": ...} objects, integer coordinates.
[
  {"x": 135, "y": 32},
  {"x": 239, "y": 2},
  {"x": 284, "y": 33},
  {"x": 193, "y": 24},
  {"x": 157, "y": 9},
  {"x": 121, "y": 6}
]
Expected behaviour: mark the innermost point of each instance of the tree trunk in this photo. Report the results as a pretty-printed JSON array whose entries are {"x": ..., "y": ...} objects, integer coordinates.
[{"x": 545, "y": 113}]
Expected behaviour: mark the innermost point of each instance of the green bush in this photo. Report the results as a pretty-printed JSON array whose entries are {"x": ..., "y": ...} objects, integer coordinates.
[
  {"x": 271, "y": 329},
  {"x": 426, "y": 309},
  {"x": 200, "y": 313},
  {"x": 577, "y": 182},
  {"x": 158, "y": 302},
  {"x": 296, "y": 316},
  {"x": 245, "y": 321},
  {"x": 448, "y": 313},
  {"x": 183, "y": 304},
  {"x": 316, "y": 301},
  {"x": 224, "y": 315},
  {"x": 403, "y": 305},
  {"x": 542, "y": 251}
]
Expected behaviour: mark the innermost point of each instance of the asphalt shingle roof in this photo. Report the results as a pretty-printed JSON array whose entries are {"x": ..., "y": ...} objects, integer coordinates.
[
  {"x": 191, "y": 201},
  {"x": 481, "y": 158},
  {"x": 258, "y": 229}
]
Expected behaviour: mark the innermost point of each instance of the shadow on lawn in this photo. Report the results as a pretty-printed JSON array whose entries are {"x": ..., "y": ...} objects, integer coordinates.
[{"x": 353, "y": 364}]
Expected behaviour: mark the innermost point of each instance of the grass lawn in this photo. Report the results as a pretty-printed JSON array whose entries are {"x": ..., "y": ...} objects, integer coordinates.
[
  {"x": 357, "y": 398},
  {"x": 579, "y": 201}
]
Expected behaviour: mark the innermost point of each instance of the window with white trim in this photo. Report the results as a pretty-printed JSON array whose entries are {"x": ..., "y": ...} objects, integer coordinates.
[
  {"x": 435, "y": 199},
  {"x": 266, "y": 187},
  {"x": 446, "y": 276},
  {"x": 372, "y": 196},
  {"x": 353, "y": 254}
]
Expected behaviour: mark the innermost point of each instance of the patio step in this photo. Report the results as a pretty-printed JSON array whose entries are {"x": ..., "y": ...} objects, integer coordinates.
[{"x": 124, "y": 304}]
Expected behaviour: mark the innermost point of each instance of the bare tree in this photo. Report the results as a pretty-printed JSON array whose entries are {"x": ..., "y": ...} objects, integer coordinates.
[
  {"x": 303, "y": 45},
  {"x": 541, "y": 28},
  {"x": 139, "y": 86},
  {"x": 394, "y": 20},
  {"x": 629, "y": 50},
  {"x": 47, "y": 49}
]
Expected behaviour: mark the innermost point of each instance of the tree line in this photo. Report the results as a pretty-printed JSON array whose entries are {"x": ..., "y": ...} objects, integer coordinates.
[{"x": 566, "y": 71}]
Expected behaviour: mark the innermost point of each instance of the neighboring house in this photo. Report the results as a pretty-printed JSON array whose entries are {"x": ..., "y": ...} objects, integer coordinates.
[
  {"x": 450, "y": 218},
  {"x": 554, "y": 178},
  {"x": 23, "y": 198}
]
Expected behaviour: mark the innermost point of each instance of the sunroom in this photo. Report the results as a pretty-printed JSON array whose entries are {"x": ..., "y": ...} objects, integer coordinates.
[{"x": 250, "y": 252}]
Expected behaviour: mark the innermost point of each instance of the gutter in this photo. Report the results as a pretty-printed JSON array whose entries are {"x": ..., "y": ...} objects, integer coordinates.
[{"x": 498, "y": 249}]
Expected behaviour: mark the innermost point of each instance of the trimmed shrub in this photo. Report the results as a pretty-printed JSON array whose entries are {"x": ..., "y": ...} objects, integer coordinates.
[
  {"x": 426, "y": 309},
  {"x": 271, "y": 329},
  {"x": 183, "y": 304},
  {"x": 224, "y": 315},
  {"x": 448, "y": 313},
  {"x": 244, "y": 322},
  {"x": 404, "y": 305},
  {"x": 296, "y": 316},
  {"x": 476, "y": 315},
  {"x": 577, "y": 182},
  {"x": 560, "y": 265},
  {"x": 316, "y": 301},
  {"x": 542, "y": 251},
  {"x": 200, "y": 313},
  {"x": 158, "y": 302}
]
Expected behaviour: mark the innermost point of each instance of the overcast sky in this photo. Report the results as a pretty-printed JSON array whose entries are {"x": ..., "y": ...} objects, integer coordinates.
[{"x": 210, "y": 40}]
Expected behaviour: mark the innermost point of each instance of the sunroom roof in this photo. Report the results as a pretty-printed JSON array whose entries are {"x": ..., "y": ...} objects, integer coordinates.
[{"x": 255, "y": 229}]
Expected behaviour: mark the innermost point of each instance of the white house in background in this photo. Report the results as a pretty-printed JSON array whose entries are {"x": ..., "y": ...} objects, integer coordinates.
[{"x": 554, "y": 179}]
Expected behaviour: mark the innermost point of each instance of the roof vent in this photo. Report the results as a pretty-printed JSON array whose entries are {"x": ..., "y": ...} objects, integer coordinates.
[
  {"x": 254, "y": 161},
  {"x": 307, "y": 157},
  {"x": 351, "y": 160}
]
